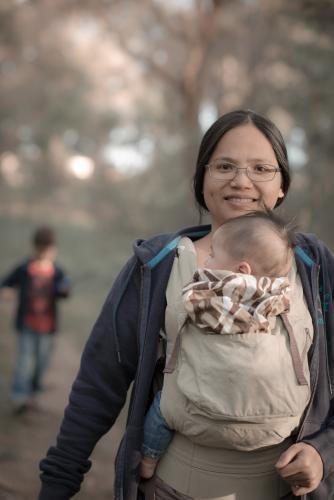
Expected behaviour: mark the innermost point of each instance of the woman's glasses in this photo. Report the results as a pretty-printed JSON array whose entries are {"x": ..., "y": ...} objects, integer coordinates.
[{"x": 224, "y": 170}]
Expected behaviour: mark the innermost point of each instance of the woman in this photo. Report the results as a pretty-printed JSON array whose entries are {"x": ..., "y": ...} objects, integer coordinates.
[{"x": 242, "y": 166}]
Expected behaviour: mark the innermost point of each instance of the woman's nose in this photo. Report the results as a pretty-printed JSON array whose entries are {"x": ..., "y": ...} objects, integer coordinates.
[{"x": 241, "y": 178}]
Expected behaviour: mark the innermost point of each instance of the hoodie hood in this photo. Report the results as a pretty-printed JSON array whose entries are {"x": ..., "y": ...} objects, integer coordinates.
[
  {"x": 152, "y": 251},
  {"x": 309, "y": 248}
]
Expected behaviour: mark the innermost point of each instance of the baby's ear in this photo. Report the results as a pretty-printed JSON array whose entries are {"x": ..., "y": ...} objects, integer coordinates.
[{"x": 244, "y": 268}]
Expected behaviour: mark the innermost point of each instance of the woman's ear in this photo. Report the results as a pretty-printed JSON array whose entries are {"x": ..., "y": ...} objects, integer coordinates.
[
  {"x": 244, "y": 268},
  {"x": 281, "y": 193}
]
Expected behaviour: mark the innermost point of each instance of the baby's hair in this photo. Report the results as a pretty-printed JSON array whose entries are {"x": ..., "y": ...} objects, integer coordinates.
[{"x": 250, "y": 237}]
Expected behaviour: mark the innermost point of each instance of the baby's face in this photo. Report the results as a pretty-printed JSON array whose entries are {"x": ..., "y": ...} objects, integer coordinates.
[
  {"x": 218, "y": 257},
  {"x": 48, "y": 253}
]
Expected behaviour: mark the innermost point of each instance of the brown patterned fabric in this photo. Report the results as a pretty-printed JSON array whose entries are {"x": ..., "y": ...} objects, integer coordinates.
[{"x": 223, "y": 302}]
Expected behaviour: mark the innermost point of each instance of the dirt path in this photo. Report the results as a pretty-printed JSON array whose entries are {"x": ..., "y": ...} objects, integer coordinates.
[{"x": 24, "y": 439}]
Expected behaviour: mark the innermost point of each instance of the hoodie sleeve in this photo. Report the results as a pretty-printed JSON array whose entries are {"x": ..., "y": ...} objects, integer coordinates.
[{"x": 99, "y": 390}]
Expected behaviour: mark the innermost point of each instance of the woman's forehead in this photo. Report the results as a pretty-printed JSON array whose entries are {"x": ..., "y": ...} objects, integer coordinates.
[{"x": 245, "y": 143}]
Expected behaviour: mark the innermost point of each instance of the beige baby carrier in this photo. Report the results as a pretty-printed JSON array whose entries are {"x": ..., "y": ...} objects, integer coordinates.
[{"x": 235, "y": 376}]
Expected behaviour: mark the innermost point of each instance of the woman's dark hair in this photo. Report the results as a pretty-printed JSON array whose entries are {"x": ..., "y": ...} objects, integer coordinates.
[{"x": 223, "y": 125}]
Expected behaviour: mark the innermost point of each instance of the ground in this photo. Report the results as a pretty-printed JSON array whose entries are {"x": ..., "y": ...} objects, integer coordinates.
[{"x": 25, "y": 438}]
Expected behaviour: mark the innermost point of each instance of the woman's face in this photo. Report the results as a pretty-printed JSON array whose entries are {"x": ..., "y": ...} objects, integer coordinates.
[{"x": 243, "y": 146}]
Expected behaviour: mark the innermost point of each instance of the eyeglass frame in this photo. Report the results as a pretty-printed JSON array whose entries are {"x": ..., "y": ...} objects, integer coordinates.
[{"x": 274, "y": 167}]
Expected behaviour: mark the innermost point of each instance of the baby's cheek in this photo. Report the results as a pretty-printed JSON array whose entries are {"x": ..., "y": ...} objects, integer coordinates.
[{"x": 210, "y": 263}]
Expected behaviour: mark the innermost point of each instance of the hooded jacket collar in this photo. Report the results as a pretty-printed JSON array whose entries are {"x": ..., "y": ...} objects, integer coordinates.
[{"x": 151, "y": 252}]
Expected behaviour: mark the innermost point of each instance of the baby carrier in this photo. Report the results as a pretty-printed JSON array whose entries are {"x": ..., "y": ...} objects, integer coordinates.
[{"x": 235, "y": 372}]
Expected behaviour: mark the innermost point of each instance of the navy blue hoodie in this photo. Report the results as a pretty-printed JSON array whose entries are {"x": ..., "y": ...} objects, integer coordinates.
[{"x": 123, "y": 348}]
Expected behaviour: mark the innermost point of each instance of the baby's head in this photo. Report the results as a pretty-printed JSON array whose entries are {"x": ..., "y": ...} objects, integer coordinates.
[{"x": 257, "y": 243}]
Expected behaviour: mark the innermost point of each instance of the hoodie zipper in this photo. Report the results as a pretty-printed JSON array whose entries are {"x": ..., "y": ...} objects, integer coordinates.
[
  {"x": 143, "y": 305},
  {"x": 121, "y": 461},
  {"x": 315, "y": 287},
  {"x": 119, "y": 299},
  {"x": 319, "y": 304},
  {"x": 319, "y": 308}
]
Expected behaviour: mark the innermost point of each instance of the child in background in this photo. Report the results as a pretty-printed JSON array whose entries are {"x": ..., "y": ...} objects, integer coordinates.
[
  {"x": 253, "y": 254},
  {"x": 39, "y": 283}
]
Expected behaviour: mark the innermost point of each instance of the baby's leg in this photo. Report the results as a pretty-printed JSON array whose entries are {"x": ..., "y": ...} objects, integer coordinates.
[{"x": 157, "y": 436}]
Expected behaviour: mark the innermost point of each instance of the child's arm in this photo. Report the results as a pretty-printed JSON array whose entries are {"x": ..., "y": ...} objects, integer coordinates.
[
  {"x": 12, "y": 279},
  {"x": 63, "y": 285},
  {"x": 9, "y": 282}
]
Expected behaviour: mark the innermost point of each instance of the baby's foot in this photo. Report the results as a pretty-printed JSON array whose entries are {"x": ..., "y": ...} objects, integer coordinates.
[{"x": 147, "y": 467}]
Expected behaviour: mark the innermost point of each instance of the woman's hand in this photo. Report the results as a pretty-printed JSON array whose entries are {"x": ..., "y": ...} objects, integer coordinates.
[{"x": 301, "y": 466}]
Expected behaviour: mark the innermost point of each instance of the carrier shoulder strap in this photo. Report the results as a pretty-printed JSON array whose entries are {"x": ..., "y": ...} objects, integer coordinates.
[{"x": 296, "y": 359}]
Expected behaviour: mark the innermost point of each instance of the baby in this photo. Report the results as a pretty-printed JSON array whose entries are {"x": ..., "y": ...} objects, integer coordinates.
[{"x": 243, "y": 283}]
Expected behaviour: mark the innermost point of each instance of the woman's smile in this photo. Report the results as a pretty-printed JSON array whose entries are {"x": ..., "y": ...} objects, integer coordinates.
[
  {"x": 239, "y": 200},
  {"x": 237, "y": 204}
]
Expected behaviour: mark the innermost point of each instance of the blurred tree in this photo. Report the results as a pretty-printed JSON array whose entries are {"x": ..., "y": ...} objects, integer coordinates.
[{"x": 73, "y": 70}]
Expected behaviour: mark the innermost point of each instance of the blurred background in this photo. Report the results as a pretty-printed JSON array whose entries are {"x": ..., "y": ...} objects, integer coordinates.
[{"x": 102, "y": 107}]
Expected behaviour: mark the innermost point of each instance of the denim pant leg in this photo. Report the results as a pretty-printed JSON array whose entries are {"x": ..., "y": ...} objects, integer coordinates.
[
  {"x": 25, "y": 365},
  {"x": 44, "y": 348},
  {"x": 157, "y": 434}
]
